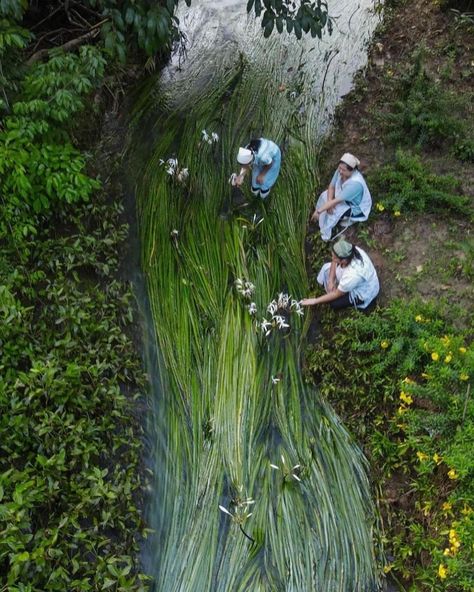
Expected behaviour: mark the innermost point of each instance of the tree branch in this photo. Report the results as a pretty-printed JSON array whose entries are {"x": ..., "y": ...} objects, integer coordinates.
[{"x": 69, "y": 45}]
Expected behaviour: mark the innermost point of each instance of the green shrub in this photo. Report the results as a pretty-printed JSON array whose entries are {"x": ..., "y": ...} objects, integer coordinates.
[
  {"x": 70, "y": 464},
  {"x": 408, "y": 185},
  {"x": 463, "y": 149},
  {"x": 423, "y": 115},
  {"x": 402, "y": 379}
]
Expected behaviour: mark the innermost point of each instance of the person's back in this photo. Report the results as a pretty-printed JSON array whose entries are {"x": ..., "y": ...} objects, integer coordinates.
[{"x": 360, "y": 279}]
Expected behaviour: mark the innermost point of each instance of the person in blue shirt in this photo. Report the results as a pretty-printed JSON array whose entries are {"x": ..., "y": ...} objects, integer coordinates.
[
  {"x": 263, "y": 157},
  {"x": 346, "y": 197}
]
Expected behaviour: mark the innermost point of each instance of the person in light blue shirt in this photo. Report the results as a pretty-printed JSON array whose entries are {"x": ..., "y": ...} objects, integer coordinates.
[
  {"x": 346, "y": 197},
  {"x": 263, "y": 157}
]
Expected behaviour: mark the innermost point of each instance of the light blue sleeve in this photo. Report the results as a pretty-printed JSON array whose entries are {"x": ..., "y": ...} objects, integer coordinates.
[{"x": 352, "y": 192}]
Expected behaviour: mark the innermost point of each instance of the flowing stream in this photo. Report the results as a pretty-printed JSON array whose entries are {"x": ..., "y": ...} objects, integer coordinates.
[{"x": 233, "y": 423}]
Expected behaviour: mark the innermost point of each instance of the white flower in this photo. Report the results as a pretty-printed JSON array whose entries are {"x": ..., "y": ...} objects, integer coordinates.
[
  {"x": 272, "y": 307},
  {"x": 252, "y": 308},
  {"x": 225, "y": 510},
  {"x": 233, "y": 179},
  {"x": 174, "y": 233},
  {"x": 283, "y": 300},
  {"x": 266, "y": 327},
  {"x": 296, "y": 477},
  {"x": 280, "y": 321},
  {"x": 275, "y": 380},
  {"x": 205, "y": 136},
  {"x": 172, "y": 162},
  {"x": 215, "y": 137},
  {"x": 161, "y": 161},
  {"x": 275, "y": 467},
  {"x": 183, "y": 175}
]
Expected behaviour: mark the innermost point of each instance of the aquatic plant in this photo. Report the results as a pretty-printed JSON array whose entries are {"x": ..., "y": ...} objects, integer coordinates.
[{"x": 231, "y": 402}]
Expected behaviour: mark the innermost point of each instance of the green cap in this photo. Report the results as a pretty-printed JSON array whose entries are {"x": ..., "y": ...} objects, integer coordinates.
[{"x": 342, "y": 249}]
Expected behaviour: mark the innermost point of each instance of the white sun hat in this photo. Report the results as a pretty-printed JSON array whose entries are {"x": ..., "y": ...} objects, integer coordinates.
[
  {"x": 350, "y": 159},
  {"x": 245, "y": 156}
]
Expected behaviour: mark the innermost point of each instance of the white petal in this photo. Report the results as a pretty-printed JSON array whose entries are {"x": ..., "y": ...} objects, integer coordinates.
[
  {"x": 225, "y": 510},
  {"x": 274, "y": 467}
]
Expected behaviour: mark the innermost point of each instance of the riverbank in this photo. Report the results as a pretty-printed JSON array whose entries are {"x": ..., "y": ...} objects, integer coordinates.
[{"x": 401, "y": 377}]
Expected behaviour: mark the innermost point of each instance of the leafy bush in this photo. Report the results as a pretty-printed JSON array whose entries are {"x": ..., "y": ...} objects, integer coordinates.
[
  {"x": 423, "y": 115},
  {"x": 408, "y": 185},
  {"x": 463, "y": 149},
  {"x": 69, "y": 469},
  {"x": 402, "y": 378}
]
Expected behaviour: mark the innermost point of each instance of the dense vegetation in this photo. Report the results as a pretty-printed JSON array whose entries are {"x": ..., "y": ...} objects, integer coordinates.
[
  {"x": 401, "y": 377},
  {"x": 70, "y": 468}
]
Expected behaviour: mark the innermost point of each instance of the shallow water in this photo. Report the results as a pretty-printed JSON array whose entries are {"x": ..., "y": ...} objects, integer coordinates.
[{"x": 218, "y": 421}]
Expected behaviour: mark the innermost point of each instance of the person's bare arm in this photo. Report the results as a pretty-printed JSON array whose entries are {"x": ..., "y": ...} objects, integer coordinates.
[{"x": 329, "y": 297}]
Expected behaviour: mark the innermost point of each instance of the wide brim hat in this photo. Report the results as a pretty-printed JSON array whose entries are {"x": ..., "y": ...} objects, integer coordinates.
[{"x": 244, "y": 156}]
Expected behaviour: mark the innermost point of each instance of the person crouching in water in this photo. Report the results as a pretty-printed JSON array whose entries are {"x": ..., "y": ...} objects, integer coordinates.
[
  {"x": 263, "y": 157},
  {"x": 349, "y": 280}
]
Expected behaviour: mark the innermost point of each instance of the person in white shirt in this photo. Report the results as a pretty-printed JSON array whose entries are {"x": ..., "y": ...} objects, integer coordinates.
[
  {"x": 349, "y": 279},
  {"x": 263, "y": 158}
]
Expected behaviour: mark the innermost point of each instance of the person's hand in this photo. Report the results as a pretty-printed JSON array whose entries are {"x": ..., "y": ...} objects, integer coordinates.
[
  {"x": 239, "y": 179},
  {"x": 315, "y": 216},
  {"x": 330, "y": 210},
  {"x": 260, "y": 178},
  {"x": 308, "y": 301}
]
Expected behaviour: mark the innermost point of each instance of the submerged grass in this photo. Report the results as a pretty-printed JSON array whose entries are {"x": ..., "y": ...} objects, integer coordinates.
[{"x": 221, "y": 419}]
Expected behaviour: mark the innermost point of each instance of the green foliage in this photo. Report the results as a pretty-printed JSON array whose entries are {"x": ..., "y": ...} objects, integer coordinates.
[
  {"x": 306, "y": 16},
  {"x": 402, "y": 379},
  {"x": 147, "y": 25},
  {"x": 463, "y": 149},
  {"x": 423, "y": 114},
  {"x": 408, "y": 185},
  {"x": 39, "y": 166},
  {"x": 69, "y": 475}
]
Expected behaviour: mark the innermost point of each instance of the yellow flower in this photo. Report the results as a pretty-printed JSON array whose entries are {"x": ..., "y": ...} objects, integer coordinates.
[
  {"x": 447, "y": 551},
  {"x": 384, "y": 344},
  {"x": 380, "y": 207},
  {"x": 445, "y": 340},
  {"x": 462, "y": 350},
  {"x": 387, "y": 568},
  {"x": 437, "y": 458},
  {"x": 446, "y": 506},
  {"x": 406, "y": 398},
  {"x": 452, "y": 534},
  {"x": 442, "y": 571},
  {"x": 396, "y": 213},
  {"x": 448, "y": 358},
  {"x": 467, "y": 510},
  {"x": 452, "y": 474},
  {"x": 421, "y": 456},
  {"x": 464, "y": 376},
  {"x": 402, "y": 409},
  {"x": 435, "y": 356},
  {"x": 419, "y": 319},
  {"x": 408, "y": 380}
]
